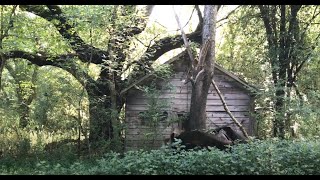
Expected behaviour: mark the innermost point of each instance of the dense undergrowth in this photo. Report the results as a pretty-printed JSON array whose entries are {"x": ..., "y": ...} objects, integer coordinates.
[{"x": 258, "y": 157}]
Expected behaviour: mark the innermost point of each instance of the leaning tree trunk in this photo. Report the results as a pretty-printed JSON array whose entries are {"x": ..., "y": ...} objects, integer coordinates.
[{"x": 203, "y": 72}]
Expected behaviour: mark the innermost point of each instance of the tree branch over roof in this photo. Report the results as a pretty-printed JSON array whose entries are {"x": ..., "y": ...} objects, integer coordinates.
[
  {"x": 159, "y": 48},
  {"x": 199, "y": 27},
  {"x": 166, "y": 44}
]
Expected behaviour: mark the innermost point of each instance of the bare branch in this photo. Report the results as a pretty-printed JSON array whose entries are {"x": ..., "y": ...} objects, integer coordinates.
[
  {"x": 152, "y": 40},
  {"x": 136, "y": 62},
  {"x": 189, "y": 18},
  {"x": 185, "y": 40},
  {"x": 222, "y": 24},
  {"x": 159, "y": 48},
  {"x": 219, "y": 6},
  {"x": 200, "y": 18},
  {"x": 228, "y": 15},
  {"x": 139, "y": 41},
  {"x": 246, "y": 17}
]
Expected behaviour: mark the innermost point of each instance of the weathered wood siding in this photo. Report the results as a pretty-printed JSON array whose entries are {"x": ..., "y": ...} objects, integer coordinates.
[{"x": 179, "y": 97}]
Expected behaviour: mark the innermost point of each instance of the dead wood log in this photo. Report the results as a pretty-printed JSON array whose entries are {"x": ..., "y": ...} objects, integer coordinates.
[
  {"x": 196, "y": 138},
  {"x": 234, "y": 135},
  {"x": 225, "y": 137}
]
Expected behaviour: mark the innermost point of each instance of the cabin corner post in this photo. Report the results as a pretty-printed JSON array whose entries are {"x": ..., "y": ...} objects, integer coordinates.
[{"x": 252, "y": 117}]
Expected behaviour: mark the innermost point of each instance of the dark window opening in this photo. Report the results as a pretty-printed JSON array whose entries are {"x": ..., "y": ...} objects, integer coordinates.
[
  {"x": 164, "y": 116},
  {"x": 180, "y": 115}
]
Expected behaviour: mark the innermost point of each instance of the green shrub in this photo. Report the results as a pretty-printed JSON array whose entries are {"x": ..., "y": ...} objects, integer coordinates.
[{"x": 271, "y": 156}]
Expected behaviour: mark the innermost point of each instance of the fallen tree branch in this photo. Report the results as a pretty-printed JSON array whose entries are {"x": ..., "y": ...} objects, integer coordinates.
[
  {"x": 192, "y": 139},
  {"x": 228, "y": 111}
]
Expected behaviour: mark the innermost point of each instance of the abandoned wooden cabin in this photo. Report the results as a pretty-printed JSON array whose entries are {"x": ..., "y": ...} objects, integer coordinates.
[{"x": 238, "y": 95}]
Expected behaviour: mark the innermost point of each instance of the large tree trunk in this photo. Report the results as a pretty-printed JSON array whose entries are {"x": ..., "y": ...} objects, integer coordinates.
[
  {"x": 281, "y": 83},
  {"x": 198, "y": 107},
  {"x": 278, "y": 129},
  {"x": 282, "y": 47},
  {"x": 203, "y": 72},
  {"x": 104, "y": 110},
  {"x": 100, "y": 123}
]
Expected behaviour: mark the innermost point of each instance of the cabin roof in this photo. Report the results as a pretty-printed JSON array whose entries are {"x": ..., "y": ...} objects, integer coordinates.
[{"x": 241, "y": 83}]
